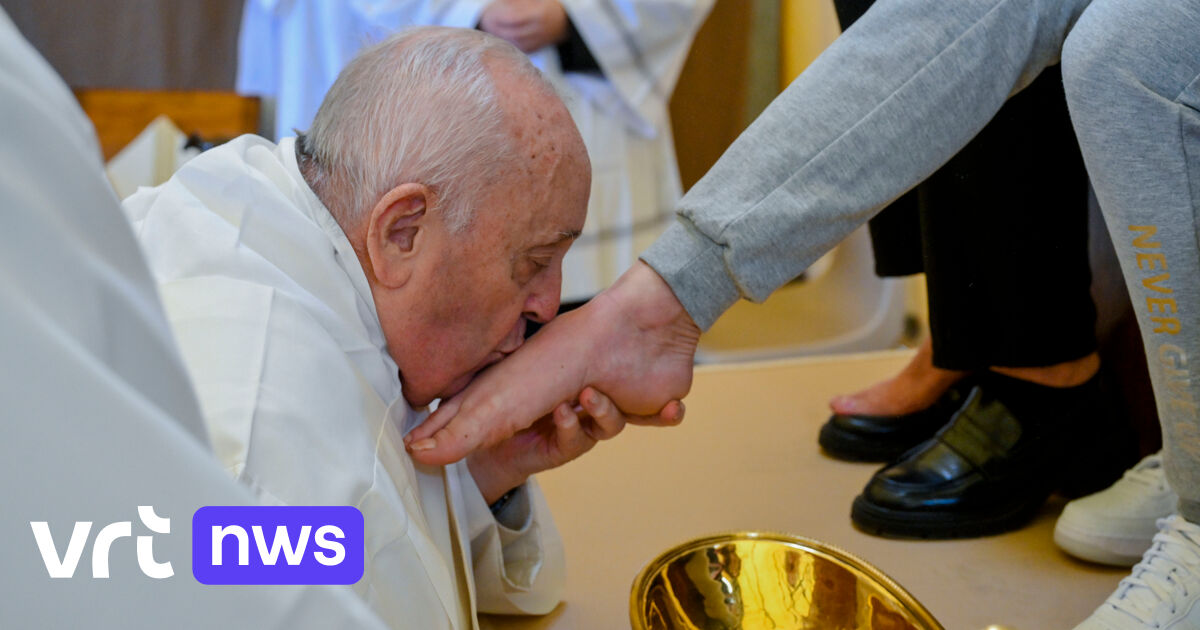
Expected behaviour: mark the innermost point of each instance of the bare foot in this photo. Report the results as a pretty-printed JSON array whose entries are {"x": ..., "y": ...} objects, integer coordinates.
[
  {"x": 1066, "y": 374},
  {"x": 634, "y": 342},
  {"x": 916, "y": 387}
]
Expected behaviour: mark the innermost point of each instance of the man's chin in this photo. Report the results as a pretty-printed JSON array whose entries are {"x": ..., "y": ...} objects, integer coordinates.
[
  {"x": 461, "y": 383},
  {"x": 457, "y": 385},
  {"x": 417, "y": 402},
  {"x": 418, "y": 397},
  {"x": 452, "y": 389}
]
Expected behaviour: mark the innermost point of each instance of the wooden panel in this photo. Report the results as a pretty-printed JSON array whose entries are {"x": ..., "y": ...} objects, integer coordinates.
[
  {"x": 707, "y": 109},
  {"x": 120, "y": 115},
  {"x": 808, "y": 26},
  {"x": 134, "y": 44},
  {"x": 721, "y": 88}
]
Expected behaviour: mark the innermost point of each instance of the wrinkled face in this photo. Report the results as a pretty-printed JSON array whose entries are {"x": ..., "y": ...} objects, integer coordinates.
[
  {"x": 453, "y": 303},
  {"x": 486, "y": 281},
  {"x": 471, "y": 293}
]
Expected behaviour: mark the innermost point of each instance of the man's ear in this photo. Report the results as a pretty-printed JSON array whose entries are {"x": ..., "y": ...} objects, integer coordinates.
[{"x": 396, "y": 229}]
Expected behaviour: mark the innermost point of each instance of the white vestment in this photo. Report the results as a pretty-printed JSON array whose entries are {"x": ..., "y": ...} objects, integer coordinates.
[
  {"x": 278, "y": 328},
  {"x": 292, "y": 50},
  {"x": 98, "y": 416}
]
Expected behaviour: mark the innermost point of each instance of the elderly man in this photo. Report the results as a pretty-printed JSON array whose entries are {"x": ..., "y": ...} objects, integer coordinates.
[{"x": 325, "y": 290}]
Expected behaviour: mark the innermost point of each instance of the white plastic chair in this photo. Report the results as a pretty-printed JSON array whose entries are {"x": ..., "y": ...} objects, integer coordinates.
[{"x": 841, "y": 306}]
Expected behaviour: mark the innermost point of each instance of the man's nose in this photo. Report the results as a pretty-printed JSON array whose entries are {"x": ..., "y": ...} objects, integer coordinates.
[{"x": 542, "y": 304}]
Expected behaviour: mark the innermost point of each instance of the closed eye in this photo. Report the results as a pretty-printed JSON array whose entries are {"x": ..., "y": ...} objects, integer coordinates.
[
  {"x": 541, "y": 257},
  {"x": 530, "y": 266}
]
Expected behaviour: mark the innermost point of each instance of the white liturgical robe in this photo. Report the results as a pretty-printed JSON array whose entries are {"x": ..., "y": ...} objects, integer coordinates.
[
  {"x": 292, "y": 50},
  {"x": 279, "y": 331},
  {"x": 98, "y": 416}
]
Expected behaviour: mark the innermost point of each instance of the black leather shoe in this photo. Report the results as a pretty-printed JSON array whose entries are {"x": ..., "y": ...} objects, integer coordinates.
[
  {"x": 862, "y": 438},
  {"x": 994, "y": 464}
]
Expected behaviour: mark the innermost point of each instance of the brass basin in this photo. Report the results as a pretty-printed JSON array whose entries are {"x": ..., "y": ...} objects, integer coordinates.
[{"x": 756, "y": 581}]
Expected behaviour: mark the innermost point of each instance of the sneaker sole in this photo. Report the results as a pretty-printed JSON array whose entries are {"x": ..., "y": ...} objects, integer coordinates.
[{"x": 1117, "y": 552}]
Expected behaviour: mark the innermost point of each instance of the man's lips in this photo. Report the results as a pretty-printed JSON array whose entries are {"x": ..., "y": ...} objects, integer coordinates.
[
  {"x": 514, "y": 341},
  {"x": 492, "y": 359},
  {"x": 461, "y": 382}
]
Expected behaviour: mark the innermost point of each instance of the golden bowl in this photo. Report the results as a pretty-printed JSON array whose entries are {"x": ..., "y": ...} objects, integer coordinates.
[{"x": 753, "y": 581}]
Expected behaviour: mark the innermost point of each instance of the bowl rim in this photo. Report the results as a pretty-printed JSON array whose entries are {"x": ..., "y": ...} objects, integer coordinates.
[{"x": 906, "y": 599}]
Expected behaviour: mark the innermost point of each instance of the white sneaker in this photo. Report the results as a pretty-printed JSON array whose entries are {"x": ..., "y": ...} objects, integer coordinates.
[
  {"x": 1114, "y": 526},
  {"x": 1163, "y": 591}
]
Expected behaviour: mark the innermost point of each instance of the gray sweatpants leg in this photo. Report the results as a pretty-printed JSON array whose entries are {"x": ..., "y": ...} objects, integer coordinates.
[
  {"x": 894, "y": 98},
  {"x": 1132, "y": 75}
]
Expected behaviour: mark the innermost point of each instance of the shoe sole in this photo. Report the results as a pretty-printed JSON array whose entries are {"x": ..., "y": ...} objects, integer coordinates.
[
  {"x": 1117, "y": 552},
  {"x": 851, "y": 448},
  {"x": 855, "y": 447},
  {"x": 885, "y": 522}
]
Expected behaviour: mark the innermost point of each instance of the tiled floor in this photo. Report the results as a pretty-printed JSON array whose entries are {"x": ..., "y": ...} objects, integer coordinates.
[{"x": 746, "y": 459}]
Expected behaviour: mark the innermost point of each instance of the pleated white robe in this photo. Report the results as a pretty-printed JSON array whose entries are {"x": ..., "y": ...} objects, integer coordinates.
[{"x": 279, "y": 331}]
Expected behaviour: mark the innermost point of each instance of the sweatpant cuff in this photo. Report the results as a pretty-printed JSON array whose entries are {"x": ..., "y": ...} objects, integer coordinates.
[{"x": 694, "y": 267}]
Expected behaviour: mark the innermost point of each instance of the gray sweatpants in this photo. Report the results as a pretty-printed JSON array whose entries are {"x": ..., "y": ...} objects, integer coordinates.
[{"x": 909, "y": 85}]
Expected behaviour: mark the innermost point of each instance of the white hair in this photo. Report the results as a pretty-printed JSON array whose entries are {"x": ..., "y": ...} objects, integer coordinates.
[{"x": 420, "y": 106}]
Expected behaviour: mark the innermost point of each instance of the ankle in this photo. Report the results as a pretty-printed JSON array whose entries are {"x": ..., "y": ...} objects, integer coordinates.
[
  {"x": 898, "y": 395},
  {"x": 937, "y": 379},
  {"x": 1065, "y": 374}
]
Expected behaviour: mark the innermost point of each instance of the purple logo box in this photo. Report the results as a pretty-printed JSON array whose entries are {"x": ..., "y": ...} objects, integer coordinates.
[{"x": 277, "y": 544}]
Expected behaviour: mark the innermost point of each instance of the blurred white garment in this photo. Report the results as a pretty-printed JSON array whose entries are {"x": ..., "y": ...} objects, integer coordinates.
[
  {"x": 149, "y": 159},
  {"x": 98, "y": 414},
  {"x": 292, "y": 50},
  {"x": 279, "y": 331}
]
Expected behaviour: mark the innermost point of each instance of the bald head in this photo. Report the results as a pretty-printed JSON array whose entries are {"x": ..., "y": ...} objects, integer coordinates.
[
  {"x": 460, "y": 180},
  {"x": 544, "y": 140},
  {"x": 457, "y": 110}
]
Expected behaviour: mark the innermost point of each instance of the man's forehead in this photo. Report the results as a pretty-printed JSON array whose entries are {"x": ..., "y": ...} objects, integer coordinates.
[
  {"x": 525, "y": 221},
  {"x": 546, "y": 208},
  {"x": 545, "y": 187},
  {"x": 542, "y": 129}
]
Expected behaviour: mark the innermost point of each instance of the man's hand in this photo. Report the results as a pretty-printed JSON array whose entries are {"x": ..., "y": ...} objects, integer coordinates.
[
  {"x": 549, "y": 443},
  {"x": 634, "y": 342},
  {"x": 527, "y": 24}
]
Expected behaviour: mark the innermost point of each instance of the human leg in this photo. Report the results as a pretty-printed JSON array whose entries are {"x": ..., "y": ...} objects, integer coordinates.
[
  {"x": 1005, "y": 227},
  {"x": 1010, "y": 205},
  {"x": 1038, "y": 418},
  {"x": 886, "y": 104},
  {"x": 1132, "y": 73},
  {"x": 896, "y": 244},
  {"x": 1133, "y": 83},
  {"x": 1013, "y": 198}
]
